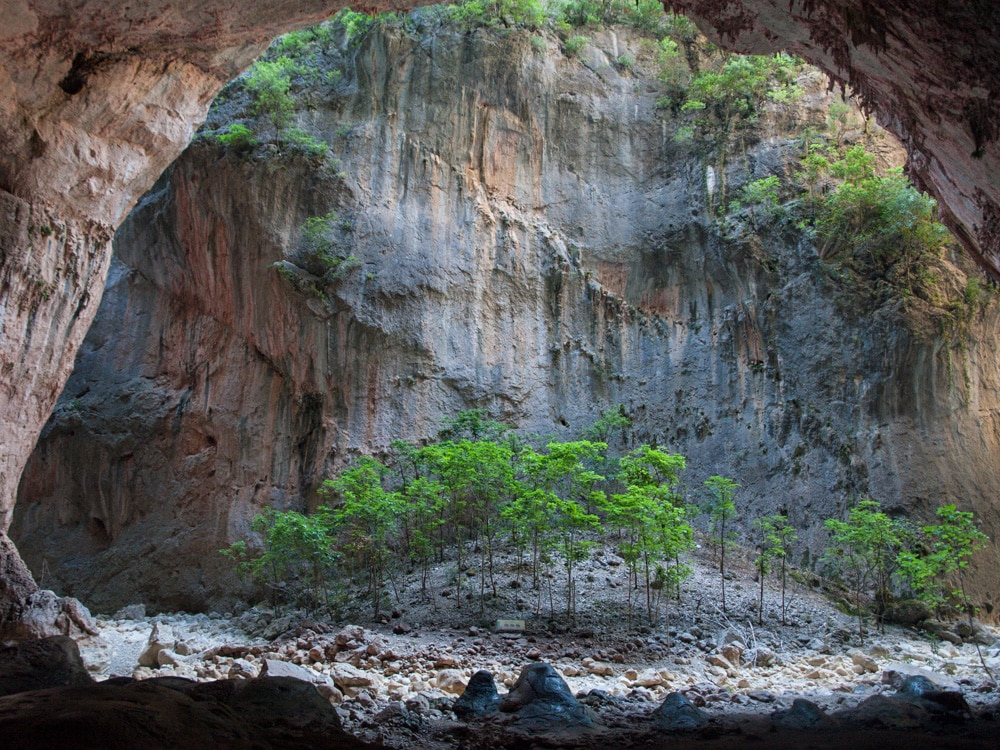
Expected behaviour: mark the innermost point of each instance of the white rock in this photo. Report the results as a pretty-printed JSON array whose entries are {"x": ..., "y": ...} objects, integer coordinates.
[{"x": 450, "y": 681}]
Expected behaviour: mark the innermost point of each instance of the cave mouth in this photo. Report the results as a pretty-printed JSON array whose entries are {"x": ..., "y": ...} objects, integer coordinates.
[
  {"x": 329, "y": 276},
  {"x": 613, "y": 293}
]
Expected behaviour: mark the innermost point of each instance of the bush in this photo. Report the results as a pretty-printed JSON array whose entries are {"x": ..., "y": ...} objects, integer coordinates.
[
  {"x": 237, "y": 137},
  {"x": 574, "y": 44}
]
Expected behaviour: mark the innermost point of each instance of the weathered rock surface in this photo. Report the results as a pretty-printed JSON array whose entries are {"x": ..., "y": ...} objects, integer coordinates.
[
  {"x": 266, "y": 713},
  {"x": 42, "y": 663},
  {"x": 96, "y": 101},
  {"x": 480, "y": 697},
  {"x": 541, "y": 246},
  {"x": 677, "y": 713},
  {"x": 541, "y": 700}
]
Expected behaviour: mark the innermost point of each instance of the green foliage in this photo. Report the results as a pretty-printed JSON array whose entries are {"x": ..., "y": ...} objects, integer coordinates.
[
  {"x": 296, "y": 561},
  {"x": 731, "y": 96},
  {"x": 650, "y": 516},
  {"x": 612, "y": 421},
  {"x": 306, "y": 143},
  {"x": 574, "y": 44},
  {"x": 727, "y": 95},
  {"x": 865, "y": 551},
  {"x": 878, "y": 226},
  {"x": 319, "y": 255},
  {"x": 366, "y": 519},
  {"x": 476, "y": 490},
  {"x": 774, "y": 539},
  {"x": 525, "y": 14},
  {"x": 944, "y": 558},
  {"x": 269, "y": 82},
  {"x": 760, "y": 197},
  {"x": 722, "y": 513},
  {"x": 472, "y": 424},
  {"x": 646, "y": 15},
  {"x": 355, "y": 25},
  {"x": 237, "y": 137}
]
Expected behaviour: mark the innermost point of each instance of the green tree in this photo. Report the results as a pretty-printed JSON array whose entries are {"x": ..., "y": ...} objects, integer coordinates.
[
  {"x": 478, "y": 478},
  {"x": 367, "y": 520},
  {"x": 555, "y": 510},
  {"x": 648, "y": 515},
  {"x": 865, "y": 550},
  {"x": 774, "y": 539},
  {"x": 722, "y": 514},
  {"x": 296, "y": 560}
]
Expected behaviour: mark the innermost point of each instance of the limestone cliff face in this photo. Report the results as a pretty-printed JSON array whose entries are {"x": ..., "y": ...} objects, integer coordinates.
[{"x": 533, "y": 240}]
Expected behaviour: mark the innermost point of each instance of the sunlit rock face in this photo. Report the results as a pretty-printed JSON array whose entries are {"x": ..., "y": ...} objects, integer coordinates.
[
  {"x": 930, "y": 70},
  {"x": 532, "y": 240}
]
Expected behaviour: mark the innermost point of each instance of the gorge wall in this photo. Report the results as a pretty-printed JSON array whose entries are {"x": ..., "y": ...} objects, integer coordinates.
[{"x": 532, "y": 240}]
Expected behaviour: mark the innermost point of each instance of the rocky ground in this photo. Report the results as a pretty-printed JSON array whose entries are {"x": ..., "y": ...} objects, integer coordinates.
[{"x": 396, "y": 681}]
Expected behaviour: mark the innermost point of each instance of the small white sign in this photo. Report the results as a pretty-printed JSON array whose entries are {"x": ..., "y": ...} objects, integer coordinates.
[{"x": 510, "y": 626}]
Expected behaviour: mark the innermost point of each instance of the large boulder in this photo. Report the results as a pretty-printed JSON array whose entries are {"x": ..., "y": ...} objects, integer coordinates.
[
  {"x": 803, "y": 714},
  {"x": 155, "y": 714},
  {"x": 38, "y": 664},
  {"x": 677, "y": 713},
  {"x": 541, "y": 700},
  {"x": 480, "y": 697}
]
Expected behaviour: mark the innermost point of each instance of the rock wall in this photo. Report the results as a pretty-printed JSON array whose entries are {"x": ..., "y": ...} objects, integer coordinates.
[
  {"x": 533, "y": 240},
  {"x": 928, "y": 68}
]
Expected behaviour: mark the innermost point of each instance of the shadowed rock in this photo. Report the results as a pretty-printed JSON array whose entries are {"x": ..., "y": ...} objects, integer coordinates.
[
  {"x": 541, "y": 699},
  {"x": 275, "y": 712},
  {"x": 38, "y": 664},
  {"x": 480, "y": 697},
  {"x": 922, "y": 691},
  {"x": 803, "y": 714},
  {"x": 676, "y": 712}
]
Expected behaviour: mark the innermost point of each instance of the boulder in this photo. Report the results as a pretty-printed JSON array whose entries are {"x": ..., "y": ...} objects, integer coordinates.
[
  {"x": 921, "y": 690},
  {"x": 159, "y": 639},
  {"x": 36, "y": 664},
  {"x": 802, "y": 714},
  {"x": 323, "y": 683},
  {"x": 450, "y": 681},
  {"x": 541, "y": 700},
  {"x": 908, "y": 612},
  {"x": 676, "y": 713},
  {"x": 480, "y": 697},
  {"x": 348, "y": 676},
  {"x": 169, "y": 713},
  {"x": 895, "y": 674}
]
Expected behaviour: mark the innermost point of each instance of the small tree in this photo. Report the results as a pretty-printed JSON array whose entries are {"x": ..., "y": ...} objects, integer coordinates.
[
  {"x": 865, "y": 549},
  {"x": 295, "y": 562},
  {"x": 367, "y": 520},
  {"x": 722, "y": 513},
  {"x": 649, "y": 515},
  {"x": 774, "y": 540}
]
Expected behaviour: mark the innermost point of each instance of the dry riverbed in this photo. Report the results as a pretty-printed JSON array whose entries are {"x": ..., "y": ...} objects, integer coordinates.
[{"x": 395, "y": 681}]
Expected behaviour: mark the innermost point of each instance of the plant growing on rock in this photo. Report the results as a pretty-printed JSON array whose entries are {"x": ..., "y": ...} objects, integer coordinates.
[
  {"x": 318, "y": 254},
  {"x": 728, "y": 97}
]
